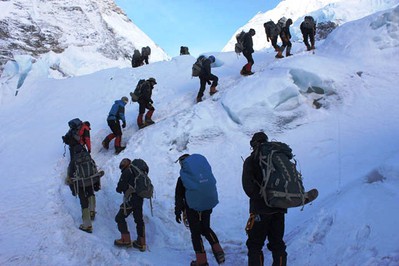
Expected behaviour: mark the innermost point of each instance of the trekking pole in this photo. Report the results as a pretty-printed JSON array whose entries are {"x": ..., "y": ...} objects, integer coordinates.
[{"x": 152, "y": 214}]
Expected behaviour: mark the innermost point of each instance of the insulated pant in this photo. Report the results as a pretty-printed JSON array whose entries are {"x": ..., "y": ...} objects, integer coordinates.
[
  {"x": 203, "y": 81},
  {"x": 272, "y": 227},
  {"x": 135, "y": 205},
  {"x": 308, "y": 34},
  {"x": 116, "y": 132},
  {"x": 199, "y": 223},
  {"x": 84, "y": 194},
  {"x": 248, "y": 66}
]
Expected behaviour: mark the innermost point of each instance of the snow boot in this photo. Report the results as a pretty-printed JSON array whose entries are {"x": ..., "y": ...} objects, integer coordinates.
[
  {"x": 218, "y": 253},
  {"x": 86, "y": 225},
  {"x": 288, "y": 52},
  {"x": 92, "y": 207},
  {"x": 213, "y": 90},
  {"x": 199, "y": 99},
  {"x": 119, "y": 149},
  {"x": 106, "y": 141},
  {"x": 140, "y": 123},
  {"x": 124, "y": 241},
  {"x": 200, "y": 260},
  {"x": 279, "y": 54},
  {"x": 140, "y": 244},
  {"x": 149, "y": 121}
]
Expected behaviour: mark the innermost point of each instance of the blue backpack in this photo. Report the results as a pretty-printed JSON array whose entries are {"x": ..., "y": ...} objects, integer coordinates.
[{"x": 196, "y": 175}]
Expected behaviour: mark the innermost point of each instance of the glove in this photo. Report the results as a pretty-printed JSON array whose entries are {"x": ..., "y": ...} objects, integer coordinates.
[
  {"x": 124, "y": 125},
  {"x": 209, "y": 82},
  {"x": 178, "y": 218},
  {"x": 268, "y": 39}
]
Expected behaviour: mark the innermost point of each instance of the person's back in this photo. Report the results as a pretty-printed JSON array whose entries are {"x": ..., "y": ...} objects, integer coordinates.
[{"x": 264, "y": 222}]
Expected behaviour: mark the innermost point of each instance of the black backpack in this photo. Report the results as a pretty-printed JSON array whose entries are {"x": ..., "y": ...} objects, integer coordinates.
[
  {"x": 309, "y": 23},
  {"x": 184, "y": 50},
  {"x": 72, "y": 138},
  {"x": 138, "y": 91},
  {"x": 145, "y": 51},
  {"x": 239, "y": 46},
  {"x": 142, "y": 184},
  {"x": 282, "y": 185},
  {"x": 85, "y": 172},
  {"x": 197, "y": 66},
  {"x": 272, "y": 30}
]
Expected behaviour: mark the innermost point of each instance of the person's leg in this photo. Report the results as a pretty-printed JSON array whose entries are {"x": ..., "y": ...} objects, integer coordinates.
[
  {"x": 256, "y": 239},
  {"x": 210, "y": 235},
  {"x": 120, "y": 219},
  {"x": 137, "y": 205},
  {"x": 275, "y": 237},
  {"x": 202, "y": 89},
  {"x": 194, "y": 222}
]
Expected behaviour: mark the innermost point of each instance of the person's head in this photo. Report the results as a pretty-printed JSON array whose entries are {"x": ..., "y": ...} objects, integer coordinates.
[
  {"x": 182, "y": 158},
  {"x": 125, "y": 99},
  {"x": 258, "y": 138},
  {"x": 289, "y": 22},
  {"x": 252, "y": 32},
  {"x": 152, "y": 81},
  {"x": 212, "y": 58},
  {"x": 124, "y": 163}
]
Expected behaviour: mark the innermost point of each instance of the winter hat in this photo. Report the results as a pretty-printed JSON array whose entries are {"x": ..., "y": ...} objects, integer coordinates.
[
  {"x": 152, "y": 80},
  {"x": 124, "y": 163},
  {"x": 181, "y": 158},
  {"x": 125, "y": 99},
  {"x": 258, "y": 137},
  {"x": 212, "y": 58},
  {"x": 252, "y": 32},
  {"x": 289, "y": 22}
]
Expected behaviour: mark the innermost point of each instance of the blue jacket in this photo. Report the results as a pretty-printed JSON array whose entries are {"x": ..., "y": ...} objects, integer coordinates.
[{"x": 117, "y": 111}]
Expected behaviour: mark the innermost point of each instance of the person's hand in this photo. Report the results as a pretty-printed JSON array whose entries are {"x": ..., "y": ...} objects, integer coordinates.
[
  {"x": 124, "y": 125},
  {"x": 178, "y": 218},
  {"x": 268, "y": 39}
]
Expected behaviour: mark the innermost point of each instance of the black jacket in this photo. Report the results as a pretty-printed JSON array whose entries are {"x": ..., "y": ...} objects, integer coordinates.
[
  {"x": 180, "y": 197},
  {"x": 248, "y": 43},
  {"x": 146, "y": 92},
  {"x": 285, "y": 34},
  {"x": 251, "y": 174},
  {"x": 206, "y": 69}
]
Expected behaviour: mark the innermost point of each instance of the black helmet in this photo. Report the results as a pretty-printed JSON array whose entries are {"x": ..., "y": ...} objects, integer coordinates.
[
  {"x": 125, "y": 99},
  {"x": 252, "y": 32},
  {"x": 152, "y": 80},
  {"x": 258, "y": 137}
]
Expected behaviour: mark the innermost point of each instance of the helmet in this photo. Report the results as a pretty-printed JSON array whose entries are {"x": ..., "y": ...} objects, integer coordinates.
[
  {"x": 212, "y": 58},
  {"x": 124, "y": 163},
  {"x": 152, "y": 80},
  {"x": 125, "y": 99},
  {"x": 252, "y": 32},
  {"x": 181, "y": 158},
  {"x": 258, "y": 137},
  {"x": 289, "y": 22}
]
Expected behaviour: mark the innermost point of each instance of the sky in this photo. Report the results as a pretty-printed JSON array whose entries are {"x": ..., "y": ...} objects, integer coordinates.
[
  {"x": 347, "y": 149},
  {"x": 202, "y": 26}
]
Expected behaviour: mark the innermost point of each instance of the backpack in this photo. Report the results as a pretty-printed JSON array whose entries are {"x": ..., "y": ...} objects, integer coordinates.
[
  {"x": 145, "y": 51},
  {"x": 184, "y": 50},
  {"x": 72, "y": 138},
  {"x": 85, "y": 170},
  {"x": 197, "y": 66},
  {"x": 137, "y": 91},
  {"x": 309, "y": 23},
  {"x": 272, "y": 30},
  {"x": 282, "y": 21},
  {"x": 142, "y": 183},
  {"x": 282, "y": 185},
  {"x": 239, "y": 46},
  {"x": 199, "y": 182}
]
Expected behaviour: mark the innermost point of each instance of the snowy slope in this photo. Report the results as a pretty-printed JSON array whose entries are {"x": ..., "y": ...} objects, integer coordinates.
[
  {"x": 338, "y": 11},
  {"x": 347, "y": 149}
]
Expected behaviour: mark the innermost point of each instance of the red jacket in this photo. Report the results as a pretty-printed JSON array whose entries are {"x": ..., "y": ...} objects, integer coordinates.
[{"x": 84, "y": 134}]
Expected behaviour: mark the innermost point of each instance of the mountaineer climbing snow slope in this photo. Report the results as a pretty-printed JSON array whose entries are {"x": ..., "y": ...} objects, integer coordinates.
[{"x": 344, "y": 138}]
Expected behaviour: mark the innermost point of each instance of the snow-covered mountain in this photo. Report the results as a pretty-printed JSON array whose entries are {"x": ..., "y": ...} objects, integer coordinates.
[
  {"x": 92, "y": 32},
  {"x": 346, "y": 146},
  {"x": 337, "y": 11}
]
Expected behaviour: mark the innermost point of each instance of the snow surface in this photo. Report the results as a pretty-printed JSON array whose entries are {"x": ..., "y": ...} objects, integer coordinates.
[{"x": 348, "y": 149}]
